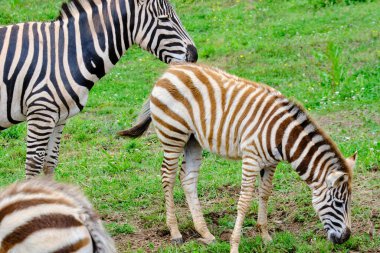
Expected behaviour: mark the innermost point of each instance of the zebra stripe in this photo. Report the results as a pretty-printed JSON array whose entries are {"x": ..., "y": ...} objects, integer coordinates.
[
  {"x": 48, "y": 68},
  {"x": 196, "y": 107},
  {"x": 40, "y": 215}
]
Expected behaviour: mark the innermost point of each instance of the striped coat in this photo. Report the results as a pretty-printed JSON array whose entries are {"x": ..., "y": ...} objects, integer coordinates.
[
  {"x": 48, "y": 68},
  {"x": 39, "y": 216},
  {"x": 197, "y": 107}
]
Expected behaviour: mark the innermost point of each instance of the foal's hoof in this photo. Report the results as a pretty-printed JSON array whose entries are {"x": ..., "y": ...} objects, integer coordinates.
[
  {"x": 266, "y": 238},
  {"x": 177, "y": 241},
  {"x": 206, "y": 241}
]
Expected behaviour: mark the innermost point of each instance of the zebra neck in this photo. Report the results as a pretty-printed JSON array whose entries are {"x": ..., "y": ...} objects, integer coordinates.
[
  {"x": 98, "y": 34},
  {"x": 309, "y": 150}
]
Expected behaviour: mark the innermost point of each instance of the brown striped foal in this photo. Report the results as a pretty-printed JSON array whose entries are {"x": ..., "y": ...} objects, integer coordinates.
[{"x": 196, "y": 107}]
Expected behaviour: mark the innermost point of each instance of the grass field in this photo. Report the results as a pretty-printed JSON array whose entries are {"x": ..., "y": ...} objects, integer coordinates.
[{"x": 323, "y": 53}]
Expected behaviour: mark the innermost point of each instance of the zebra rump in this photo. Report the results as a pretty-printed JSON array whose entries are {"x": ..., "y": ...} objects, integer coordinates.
[{"x": 40, "y": 215}]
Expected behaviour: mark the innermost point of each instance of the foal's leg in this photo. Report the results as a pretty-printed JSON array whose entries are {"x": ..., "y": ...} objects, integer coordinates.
[
  {"x": 51, "y": 159},
  {"x": 265, "y": 192},
  {"x": 169, "y": 172},
  {"x": 40, "y": 128},
  {"x": 249, "y": 172},
  {"x": 189, "y": 179}
]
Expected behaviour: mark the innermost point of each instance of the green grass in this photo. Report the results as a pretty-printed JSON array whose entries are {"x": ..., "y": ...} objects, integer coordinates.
[{"x": 325, "y": 54}]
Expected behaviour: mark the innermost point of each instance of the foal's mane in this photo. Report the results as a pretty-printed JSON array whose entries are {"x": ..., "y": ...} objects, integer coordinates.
[{"x": 326, "y": 138}]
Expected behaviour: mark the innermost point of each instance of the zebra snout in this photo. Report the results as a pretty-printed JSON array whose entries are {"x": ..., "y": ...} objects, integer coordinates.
[
  {"x": 191, "y": 54},
  {"x": 344, "y": 236}
]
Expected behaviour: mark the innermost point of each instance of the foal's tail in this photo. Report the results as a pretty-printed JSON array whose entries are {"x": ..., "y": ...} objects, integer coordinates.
[{"x": 142, "y": 124}]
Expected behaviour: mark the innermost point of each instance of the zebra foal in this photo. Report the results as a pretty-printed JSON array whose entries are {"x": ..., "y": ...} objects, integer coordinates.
[
  {"x": 48, "y": 68},
  {"x": 196, "y": 107},
  {"x": 40, "y": 215}
]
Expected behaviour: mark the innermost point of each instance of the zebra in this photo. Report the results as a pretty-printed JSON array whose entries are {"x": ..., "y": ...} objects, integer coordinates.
[
  {"x": 41, "y": 215},
  {"x": 48, "y": 68},
  {"x": 195, "y": 107}
]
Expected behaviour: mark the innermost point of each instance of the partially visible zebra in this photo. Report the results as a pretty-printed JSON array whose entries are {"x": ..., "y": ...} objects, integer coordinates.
[
  {"x": 195, "y": 107},
  {"x": 40, "y": 215},
  {"x": 48, "y": 68}
]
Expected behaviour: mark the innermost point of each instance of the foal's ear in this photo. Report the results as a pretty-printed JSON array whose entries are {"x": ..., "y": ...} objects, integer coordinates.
[
  {"x": 351, "y": 161},
  {"x": 335, "y": 178}
]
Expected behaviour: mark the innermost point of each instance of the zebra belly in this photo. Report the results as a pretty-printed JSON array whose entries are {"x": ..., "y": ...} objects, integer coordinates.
[
  {"x": 15, "y": 112},
  {"x": 211, "y": 144}
]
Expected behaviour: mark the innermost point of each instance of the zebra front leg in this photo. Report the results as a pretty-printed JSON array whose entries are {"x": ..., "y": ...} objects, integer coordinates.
[
  {"x": 189, "y": 179},
  {"x": 168, "y": 172},
  {"x": 51, "y": 159},
  {"x": 265, "y": 191},
  {"x": 39, "y": 132},
  {"x": 249, "y": 172}
]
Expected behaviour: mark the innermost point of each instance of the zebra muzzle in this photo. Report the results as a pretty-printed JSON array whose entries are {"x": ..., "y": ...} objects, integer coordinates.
[{"x": 191, "y": 53}]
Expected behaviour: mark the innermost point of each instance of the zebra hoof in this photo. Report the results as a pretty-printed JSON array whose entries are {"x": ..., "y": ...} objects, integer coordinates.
[
  {"x": 177, "y": 241},
  {"x": 266, "y": 238},
  {"x": 206, "y": 241}
]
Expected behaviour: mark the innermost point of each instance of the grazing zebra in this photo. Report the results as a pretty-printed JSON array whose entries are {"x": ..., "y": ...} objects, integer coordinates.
[
  {"x": 195, "y": 107},
  {"x": 40, "y": 215},
  {"x": 48, "y": 68}
]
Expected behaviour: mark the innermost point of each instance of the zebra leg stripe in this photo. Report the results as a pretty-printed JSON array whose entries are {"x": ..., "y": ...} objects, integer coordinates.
[
  {"x": 250, "y": 171},
  {"x": 265, "y": 191},
  {"x": 168, "y": 172},
  {"x": 189, "y": 179},
  {"x": 52, "y": 153},
  {"x": 39, "y": 134}
]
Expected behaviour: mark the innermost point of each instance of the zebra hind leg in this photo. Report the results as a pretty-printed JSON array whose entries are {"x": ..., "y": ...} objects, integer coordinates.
[
  {"x": 250, "y": 171},
  {"x": 168, "y": 173},
  {"x": 51, "y": 159},
  {"x": 265, "y": 191},
  {"x": 189, "y": 179},
  {"x": 40, "y": 129}
]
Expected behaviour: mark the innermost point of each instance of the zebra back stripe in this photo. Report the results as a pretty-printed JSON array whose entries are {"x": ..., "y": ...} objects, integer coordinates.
[{"x": 41, "y": 215}]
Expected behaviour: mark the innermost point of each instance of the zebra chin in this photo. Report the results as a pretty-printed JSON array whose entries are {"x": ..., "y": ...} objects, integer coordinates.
[{"x": 339, "y": 238}]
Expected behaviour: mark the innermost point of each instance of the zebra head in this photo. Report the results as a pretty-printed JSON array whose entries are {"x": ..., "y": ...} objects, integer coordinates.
[
  {"x": 160, "y": 32},
  {"x": 333, "y": 202}
]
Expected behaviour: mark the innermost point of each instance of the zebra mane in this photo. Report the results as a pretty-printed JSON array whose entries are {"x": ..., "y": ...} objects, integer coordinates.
[
  {"x": 67, "y": 7},
  {"x": 327, "y": 139}
]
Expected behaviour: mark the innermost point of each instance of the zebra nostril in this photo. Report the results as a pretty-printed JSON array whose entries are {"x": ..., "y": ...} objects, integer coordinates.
[
  {"x": 339, "y": 239},
  {"x": 346, "y": 235},
  {"x": 191, "y": 54}
]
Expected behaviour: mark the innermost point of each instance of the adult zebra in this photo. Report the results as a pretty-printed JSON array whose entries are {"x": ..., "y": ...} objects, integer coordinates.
[
  {"x": 195, "y": 107},
  {"x": 48, "y": 68}
]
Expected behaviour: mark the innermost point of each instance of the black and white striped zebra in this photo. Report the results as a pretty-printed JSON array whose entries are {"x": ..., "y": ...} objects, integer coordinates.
[
  {"x": 197, "y": 107},
  {"x": 48, "y": 68},
  {"x": 40, "y": 215}
]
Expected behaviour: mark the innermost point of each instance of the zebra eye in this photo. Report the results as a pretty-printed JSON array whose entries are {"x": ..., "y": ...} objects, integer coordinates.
[{"x": 338, "y": 204}]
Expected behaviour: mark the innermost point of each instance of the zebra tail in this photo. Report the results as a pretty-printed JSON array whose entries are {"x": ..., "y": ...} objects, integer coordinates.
[{"x": 142, "y": 124}]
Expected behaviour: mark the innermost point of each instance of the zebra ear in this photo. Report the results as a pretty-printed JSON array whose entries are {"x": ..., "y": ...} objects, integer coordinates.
[
  {"x": 334, "y": 179},
  {"x": 351, "y": 161}
]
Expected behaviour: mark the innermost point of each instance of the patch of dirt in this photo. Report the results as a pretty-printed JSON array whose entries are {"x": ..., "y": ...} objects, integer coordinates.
[
  {"x": 148, "y": 239},
  {"x": 345, "y": 119},
  {"x": 225, "y": 235}
]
